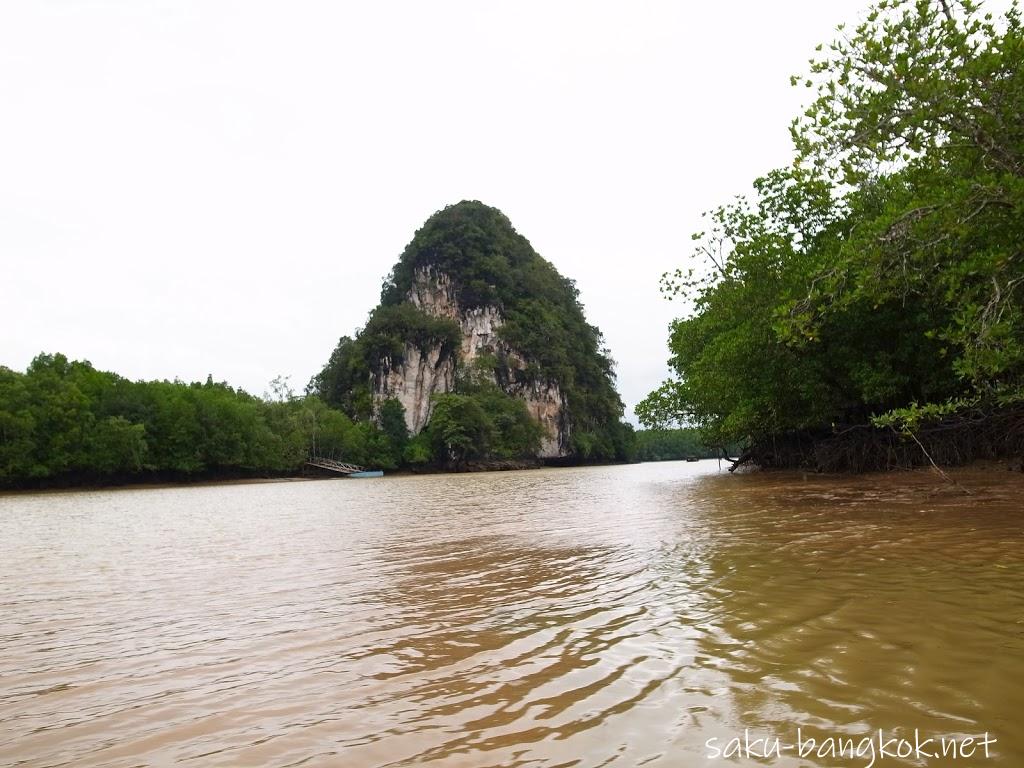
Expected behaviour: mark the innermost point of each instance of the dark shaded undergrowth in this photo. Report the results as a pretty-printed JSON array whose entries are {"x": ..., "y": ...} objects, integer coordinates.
[{"x": 970, "y": 436}]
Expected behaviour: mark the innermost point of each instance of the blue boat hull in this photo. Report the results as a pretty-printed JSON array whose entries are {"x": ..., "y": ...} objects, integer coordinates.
[{"x": 368, "y": 473}]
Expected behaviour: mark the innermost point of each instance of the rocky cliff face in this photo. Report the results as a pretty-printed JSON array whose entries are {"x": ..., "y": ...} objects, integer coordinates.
[
  {"x": 468, "y": 300},
  {"x": 423, "y": 373}
]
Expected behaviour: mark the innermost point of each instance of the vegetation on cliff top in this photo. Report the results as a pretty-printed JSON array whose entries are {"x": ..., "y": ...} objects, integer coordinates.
[
  {"x": 489, "y": 264},
  {"x": 882, "y": 272}
]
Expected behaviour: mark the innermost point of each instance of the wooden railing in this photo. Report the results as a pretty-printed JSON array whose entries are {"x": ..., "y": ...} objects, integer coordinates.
[{"x": 334, "y": 466}]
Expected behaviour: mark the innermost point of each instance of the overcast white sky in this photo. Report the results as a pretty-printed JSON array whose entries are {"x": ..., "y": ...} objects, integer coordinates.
[{"x": 220, "y": 187}]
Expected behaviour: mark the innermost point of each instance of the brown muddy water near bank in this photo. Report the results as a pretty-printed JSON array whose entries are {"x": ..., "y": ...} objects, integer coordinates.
[{"x": 567, "y": 617}]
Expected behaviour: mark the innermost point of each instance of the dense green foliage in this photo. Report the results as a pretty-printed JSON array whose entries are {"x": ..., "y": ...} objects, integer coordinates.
[
  {"x": 489, "y": 264},
  {"x": 884, "y": 269},
  {"x": 344, "y": 381},
  {"x": 481, "y": 422},
  {"x": 64, "y": 421}
]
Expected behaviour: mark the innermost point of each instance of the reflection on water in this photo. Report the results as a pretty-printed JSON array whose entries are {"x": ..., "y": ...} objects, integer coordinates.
[{"x": 590, "y": 617}]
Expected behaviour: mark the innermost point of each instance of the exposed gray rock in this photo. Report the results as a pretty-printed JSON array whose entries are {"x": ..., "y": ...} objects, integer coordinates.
[{"x": 422, "y": 374}]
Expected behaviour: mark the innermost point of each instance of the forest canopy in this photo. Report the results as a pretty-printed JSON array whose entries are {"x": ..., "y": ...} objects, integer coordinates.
[
  {"x": 64, "y": 422},
  {"x": 878, "y": 279}
]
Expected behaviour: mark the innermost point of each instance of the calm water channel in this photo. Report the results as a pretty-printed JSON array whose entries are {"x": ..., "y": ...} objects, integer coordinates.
[{"x": 617, "y": 616}]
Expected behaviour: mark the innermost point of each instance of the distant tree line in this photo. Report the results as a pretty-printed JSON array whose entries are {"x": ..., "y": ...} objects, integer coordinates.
[
  {"x": 676, "y": 445},
  {"x": 64, "y": 422}
]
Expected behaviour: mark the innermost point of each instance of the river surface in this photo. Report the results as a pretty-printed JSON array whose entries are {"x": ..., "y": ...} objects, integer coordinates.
[{"x": 619, "y": 616}]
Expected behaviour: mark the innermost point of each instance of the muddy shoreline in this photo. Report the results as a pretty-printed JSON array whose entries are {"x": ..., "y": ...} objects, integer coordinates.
[{"x": 982, "y": 467}]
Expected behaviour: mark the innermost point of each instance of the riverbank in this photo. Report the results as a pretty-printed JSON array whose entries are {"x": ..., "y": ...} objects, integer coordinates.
[
  {"x": 165, "y": 480},
  {"x": 143, "y": 481},
  {"x": 980, "y": 470}
]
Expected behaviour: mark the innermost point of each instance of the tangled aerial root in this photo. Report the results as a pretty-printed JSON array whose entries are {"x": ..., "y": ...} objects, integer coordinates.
[{"x": 970, "y": 435}]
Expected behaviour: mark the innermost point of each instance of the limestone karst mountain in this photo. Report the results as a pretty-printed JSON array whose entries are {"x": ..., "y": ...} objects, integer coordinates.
[{"x": 470, "y": 306}]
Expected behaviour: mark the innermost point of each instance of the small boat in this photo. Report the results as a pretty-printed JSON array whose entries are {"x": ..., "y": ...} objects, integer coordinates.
[
  {"x": 368, "y": 473},
  {"x": 692, "y": 458}
]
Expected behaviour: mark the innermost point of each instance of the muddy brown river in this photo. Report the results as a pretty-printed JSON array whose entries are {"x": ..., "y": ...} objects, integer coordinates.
[{"x": 624, "y": 616}]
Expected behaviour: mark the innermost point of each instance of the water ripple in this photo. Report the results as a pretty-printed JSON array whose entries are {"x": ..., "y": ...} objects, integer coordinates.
[{"x": 590, "y": 617}]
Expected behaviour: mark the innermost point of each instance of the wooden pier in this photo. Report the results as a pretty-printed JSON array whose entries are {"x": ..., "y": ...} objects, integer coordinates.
[{"x": 334, "y": 466}]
